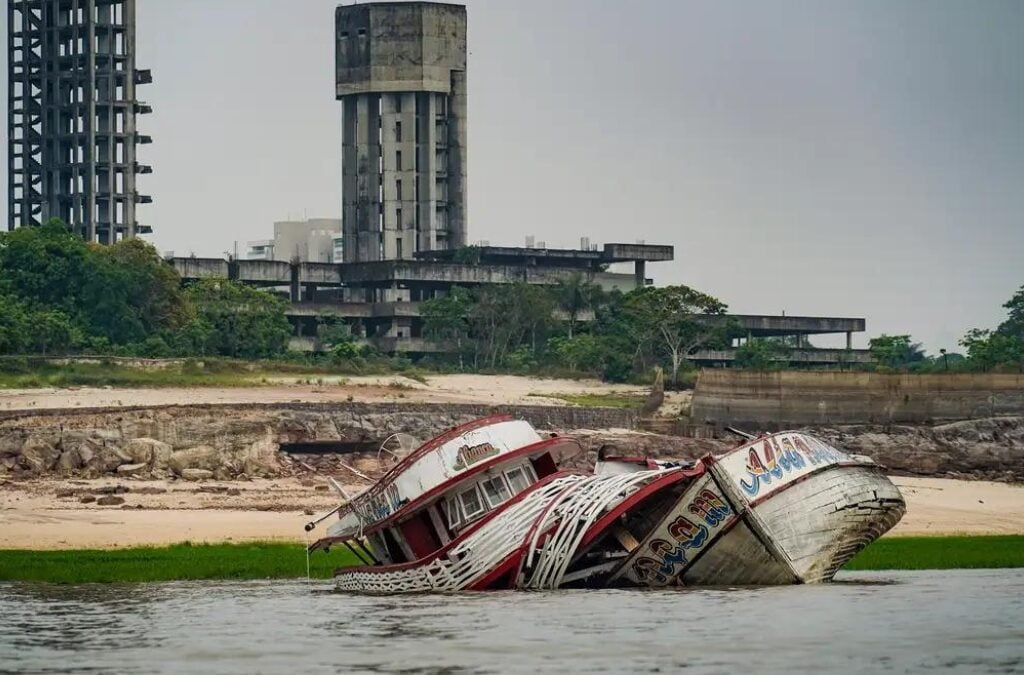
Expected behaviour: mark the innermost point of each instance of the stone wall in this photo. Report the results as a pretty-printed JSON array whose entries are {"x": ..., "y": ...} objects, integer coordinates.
[
  {"x": 774, "y": 400},
  {"x": 225, "y": 441}
]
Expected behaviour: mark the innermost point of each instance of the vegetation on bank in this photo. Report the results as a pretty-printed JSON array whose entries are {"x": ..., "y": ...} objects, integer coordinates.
[
  {"x": 941, "y": 553},
  {"x": 60, "y": 295},
  {"x": 283, "y": 561},
  {"x": 172, "y": 563}
]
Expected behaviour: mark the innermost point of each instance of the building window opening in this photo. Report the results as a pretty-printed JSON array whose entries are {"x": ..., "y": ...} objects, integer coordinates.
[
  {"x": 398, "y": 160},
  {"x": 398, "y": 190},
  {"x": 398, "y": 132}
]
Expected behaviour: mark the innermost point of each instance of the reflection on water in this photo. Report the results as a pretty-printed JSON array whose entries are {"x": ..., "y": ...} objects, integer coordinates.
[{"x": 866, "y": 622}]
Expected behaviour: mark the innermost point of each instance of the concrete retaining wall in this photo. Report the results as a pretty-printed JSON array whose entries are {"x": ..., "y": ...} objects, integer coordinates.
[{"x": 772, "y": 400}]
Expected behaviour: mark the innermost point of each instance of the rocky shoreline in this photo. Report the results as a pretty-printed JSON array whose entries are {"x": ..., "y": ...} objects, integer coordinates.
[{"x": 239, "y": 442}]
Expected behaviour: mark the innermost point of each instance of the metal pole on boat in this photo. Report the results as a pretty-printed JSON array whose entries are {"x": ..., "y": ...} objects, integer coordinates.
[{"x": 313, "y": 523}]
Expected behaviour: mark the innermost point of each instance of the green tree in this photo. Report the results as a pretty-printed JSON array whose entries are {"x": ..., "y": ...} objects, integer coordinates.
[
  {"x": 989, "y": 350},
  {"x": 896, "y": 351},
  {"x": 766, "y": 354},
  {"x": 1014, "y": 324},
  {"x": 579, "y": 351},
  {"x": 339, "y": 339},
  {"x": 445, "y": 320},
  {"x": 668, "y": 317},
  {"x": 231, "y": 319},
  {"x": 576, "y": 294}
]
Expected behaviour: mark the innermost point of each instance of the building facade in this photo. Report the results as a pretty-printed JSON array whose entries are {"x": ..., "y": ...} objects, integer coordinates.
[
  {"x": 72, "y": 109},
  {"x": 313, "y": 240},
  {"x": 400, "y": 74}
]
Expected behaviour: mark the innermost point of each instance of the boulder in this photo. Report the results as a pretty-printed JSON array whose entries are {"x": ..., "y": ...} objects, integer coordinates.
[
  {"x": 87, "y": 499},
  {"x": 196, "y": 474},
  {"x": 132, "y": 469},
  {"x": 70, "y": 462},
  {"x": 260, "y": 458},
  {"x": 149, "y": 451},
  {"x": 108, "y": 458},
  {"x": 38, "y": 455},
  {"x": 199, "y": 457},
  {"x": 109, "y": 500}
]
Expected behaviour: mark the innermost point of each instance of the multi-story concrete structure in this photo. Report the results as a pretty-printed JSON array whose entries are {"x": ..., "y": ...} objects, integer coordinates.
[
  {"x": 400, "y": 74},
  {"x": 71, "y": 116},
  {"x": 312, "y": 240}
]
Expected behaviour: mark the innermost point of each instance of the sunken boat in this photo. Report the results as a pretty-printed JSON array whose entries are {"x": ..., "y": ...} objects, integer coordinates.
[{"x": 489, "y": 505}]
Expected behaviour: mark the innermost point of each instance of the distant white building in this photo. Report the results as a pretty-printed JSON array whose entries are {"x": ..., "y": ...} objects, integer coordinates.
[
  {"x": 260, "y": 250},
  {"x": 313, "y": 240}
]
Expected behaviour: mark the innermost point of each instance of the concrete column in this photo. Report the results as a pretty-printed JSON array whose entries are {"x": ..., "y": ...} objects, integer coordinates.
[
  {"x": 457, "y": 161},
  {"x": 294, "y": 289},
  {"x": 849, "y": 339},
  {"x": 349, "y": 178},
  {"x": 640, "y": 272}
]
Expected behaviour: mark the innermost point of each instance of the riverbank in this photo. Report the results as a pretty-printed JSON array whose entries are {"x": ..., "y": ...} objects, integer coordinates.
[
  {"x": 270, "y": 560},
  {"x": 50, "y": 514}
]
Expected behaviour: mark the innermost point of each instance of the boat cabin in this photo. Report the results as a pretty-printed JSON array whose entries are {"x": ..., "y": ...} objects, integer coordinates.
[{"x": 448, "y": 485}]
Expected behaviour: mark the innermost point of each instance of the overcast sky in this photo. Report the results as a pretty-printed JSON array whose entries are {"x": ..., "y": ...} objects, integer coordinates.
[{"x": 820, "y": 158}]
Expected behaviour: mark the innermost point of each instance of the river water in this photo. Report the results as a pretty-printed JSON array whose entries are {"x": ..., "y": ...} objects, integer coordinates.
[{"x": 964, "y": 621}]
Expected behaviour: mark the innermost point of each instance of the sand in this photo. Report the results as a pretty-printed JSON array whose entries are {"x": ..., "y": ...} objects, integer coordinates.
[
  {"x": 481, "y": 389},
  {"x": 33, "y": 516}
]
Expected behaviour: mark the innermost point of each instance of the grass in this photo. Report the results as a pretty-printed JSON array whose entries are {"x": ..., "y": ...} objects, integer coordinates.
[
  {"x": 178, "y": 562},
  {"x": 611, "y": 400},
  {"x": 941, "y": 553},
  {"x": 275, "y": 561}
]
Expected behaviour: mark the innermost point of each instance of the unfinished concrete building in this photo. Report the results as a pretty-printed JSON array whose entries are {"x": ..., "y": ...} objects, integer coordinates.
[
  {"x": 71, "y": 116},
  {"x": 400, "y": 74}
]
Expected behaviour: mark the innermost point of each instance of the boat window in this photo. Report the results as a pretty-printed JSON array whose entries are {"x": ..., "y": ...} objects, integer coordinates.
[
  {"x": 518, "y": 479},
  {"x": 495, "y": 490},
  {"x": 451, "y": 510},
  {"x": 472, "y": 505}
]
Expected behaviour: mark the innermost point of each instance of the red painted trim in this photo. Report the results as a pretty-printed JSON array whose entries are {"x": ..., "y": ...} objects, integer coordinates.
[
  {"x": 462, "y": 535},
  {"x": 634, "y": 499},
  {"x": 419, "y": 502},
  {"x": 506, "y": 566},
  {"x": 425, "y": 449}
]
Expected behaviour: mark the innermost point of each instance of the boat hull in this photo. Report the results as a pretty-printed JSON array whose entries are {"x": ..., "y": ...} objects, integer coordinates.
[{"x": 783, "y": 509}]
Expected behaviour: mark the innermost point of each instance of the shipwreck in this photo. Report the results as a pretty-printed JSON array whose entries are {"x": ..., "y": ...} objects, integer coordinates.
[{"x": 488, "y": 505}]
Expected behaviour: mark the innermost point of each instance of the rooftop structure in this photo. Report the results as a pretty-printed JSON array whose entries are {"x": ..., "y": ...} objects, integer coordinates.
[
  {"x": 400, "y": 74},
  {"x": 71, "y": 116}
]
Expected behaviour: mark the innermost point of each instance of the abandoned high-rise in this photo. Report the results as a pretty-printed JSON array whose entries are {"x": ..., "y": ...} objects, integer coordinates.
[
  {"x": 400, "y": 74},
  {"x": 71, "y": 116}
]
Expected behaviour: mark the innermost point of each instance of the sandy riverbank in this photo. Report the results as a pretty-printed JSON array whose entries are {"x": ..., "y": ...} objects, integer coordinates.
[
  {"x": 33, "y": 516},
  {"x": 482, "y": 389}
]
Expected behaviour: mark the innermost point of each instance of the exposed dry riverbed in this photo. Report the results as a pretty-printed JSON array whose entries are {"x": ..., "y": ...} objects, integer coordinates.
[{"x": 50, "y": 513}]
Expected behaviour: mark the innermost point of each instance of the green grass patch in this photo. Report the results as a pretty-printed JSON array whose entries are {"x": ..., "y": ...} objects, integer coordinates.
[
  {"x": 288, "y": 561},
  {"x": 171, "y": 563},
  {"x": 941, "y": 553},
  {"x": 611, "y": 400}
]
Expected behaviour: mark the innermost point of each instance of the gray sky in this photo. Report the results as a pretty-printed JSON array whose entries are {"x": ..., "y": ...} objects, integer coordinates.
[{"x": 840, "y": 158}]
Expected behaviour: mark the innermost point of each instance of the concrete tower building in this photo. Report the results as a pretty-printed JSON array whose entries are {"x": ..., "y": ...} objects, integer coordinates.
[
  {"x": 71, "y": 116},
  {"x": 400, "y": 74}
]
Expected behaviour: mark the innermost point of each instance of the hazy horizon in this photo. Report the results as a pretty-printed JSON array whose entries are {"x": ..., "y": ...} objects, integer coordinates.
[{"x": 847, "y": 159}]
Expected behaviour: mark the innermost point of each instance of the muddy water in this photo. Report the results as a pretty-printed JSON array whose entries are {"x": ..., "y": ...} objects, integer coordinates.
[{"x": 967, "y": 621}]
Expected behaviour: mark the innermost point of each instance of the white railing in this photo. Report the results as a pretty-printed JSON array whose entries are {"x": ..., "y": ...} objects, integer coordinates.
[{"x": 572, "y": 503}]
